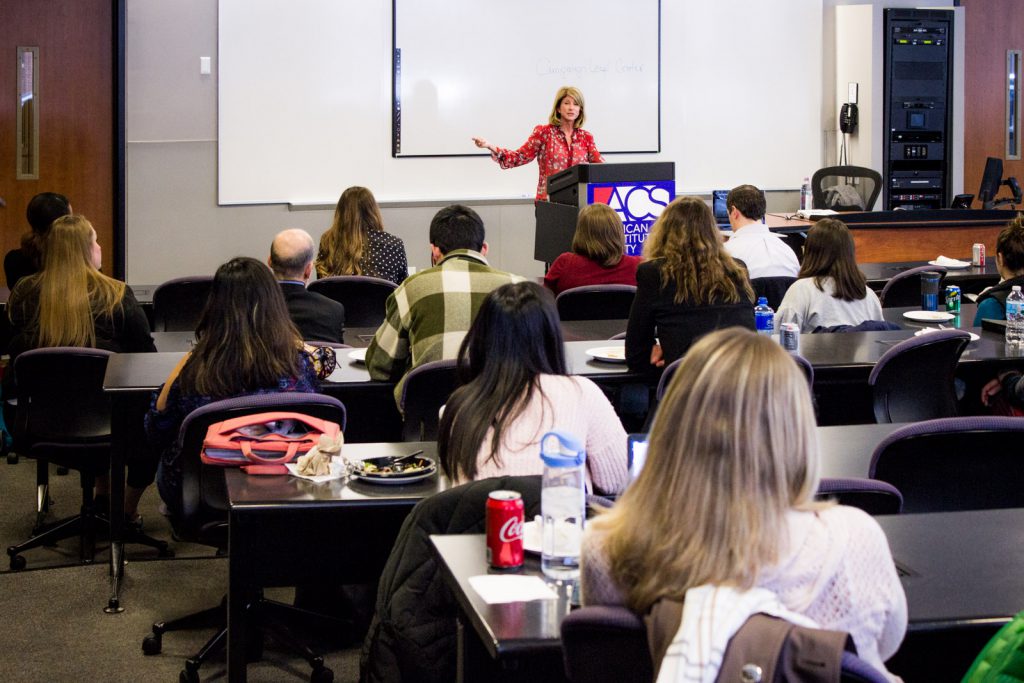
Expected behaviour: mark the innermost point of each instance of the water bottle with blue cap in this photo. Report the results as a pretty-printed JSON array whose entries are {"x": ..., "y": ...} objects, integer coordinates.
[{"x": 562, "y": 504}]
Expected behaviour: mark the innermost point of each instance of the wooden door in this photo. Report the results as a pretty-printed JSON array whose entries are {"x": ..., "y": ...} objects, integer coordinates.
[
  {"x": 76, "y": 77},
  {"x": 992, "y": 27}
]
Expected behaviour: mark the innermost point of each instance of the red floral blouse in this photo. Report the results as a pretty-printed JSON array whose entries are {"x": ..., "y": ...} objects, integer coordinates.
[{"x": 547, "y": 144}]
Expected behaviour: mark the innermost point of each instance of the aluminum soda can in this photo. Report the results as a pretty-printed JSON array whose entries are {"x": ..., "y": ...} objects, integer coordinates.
[
  {"x": 505, "y": 529},
  {"x": 978, "y": 255},
  {"x": 789, "y": 337},
  {"x": 952, "y": 299}
]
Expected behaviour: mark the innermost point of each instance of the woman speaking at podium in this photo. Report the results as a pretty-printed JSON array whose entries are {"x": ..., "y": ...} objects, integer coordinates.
[{"x": 556, "y": 146}]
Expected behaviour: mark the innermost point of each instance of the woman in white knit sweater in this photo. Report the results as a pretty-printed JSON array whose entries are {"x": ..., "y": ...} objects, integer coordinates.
[
  {"x": 515, "y": 388},
  {"x": 726, "y": 499}
]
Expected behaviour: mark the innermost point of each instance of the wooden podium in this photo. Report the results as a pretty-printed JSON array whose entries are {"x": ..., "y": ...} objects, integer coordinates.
[{"x": 573, "y": 188}]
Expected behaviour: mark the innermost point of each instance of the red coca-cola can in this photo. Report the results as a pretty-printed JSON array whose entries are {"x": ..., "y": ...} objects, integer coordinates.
[
  {"x": 505, "y": 529},
  {"x": 978, "y": 254}
]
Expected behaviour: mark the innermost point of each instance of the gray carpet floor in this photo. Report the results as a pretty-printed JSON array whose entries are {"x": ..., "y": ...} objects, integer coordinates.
[{"x": 54, "y": 627}]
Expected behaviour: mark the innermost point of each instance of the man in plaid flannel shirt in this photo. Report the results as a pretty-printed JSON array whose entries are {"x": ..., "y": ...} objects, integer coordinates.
[{"x": 430, "y": 312}]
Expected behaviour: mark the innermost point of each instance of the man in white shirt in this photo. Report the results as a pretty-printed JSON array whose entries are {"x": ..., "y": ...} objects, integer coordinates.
[{"x": 765, "y": 254}]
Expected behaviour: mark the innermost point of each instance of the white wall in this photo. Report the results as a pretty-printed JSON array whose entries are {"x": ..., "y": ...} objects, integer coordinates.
[{"x": 175, "y": 226}]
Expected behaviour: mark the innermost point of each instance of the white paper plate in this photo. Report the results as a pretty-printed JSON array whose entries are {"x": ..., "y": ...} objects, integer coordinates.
[
  {"x": 608, "y": 354},
  {"x": 929, "y": 316},
  {"x": 357, "y": 355},
  {"x": 974, "y": 337},
  {"x": 532, "y": 536},
  {"x": 951, "y": 266}
]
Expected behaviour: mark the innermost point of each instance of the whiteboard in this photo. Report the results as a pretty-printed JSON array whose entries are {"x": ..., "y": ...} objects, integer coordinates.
[
  {"x": 305, "y": 100},
  {"x": 499, "y": 75}
]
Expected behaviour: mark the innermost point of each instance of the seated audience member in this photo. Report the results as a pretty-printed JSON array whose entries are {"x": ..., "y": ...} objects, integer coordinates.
[
  {"x": 1005, "y": 394},
  {"x": 516, "y": 388},
  {"x": 429, "y": 314},
  {"x": 597, "y": 256},
  {"x": 1010, "y": 263},
  {"x": 245, "y": 344},
  {"x": 70, "y": 303},
  {"x": 356, "y": 243},
  {"x": 725, "y": 502},
  {"x": 764, "y": 253},
  {"x": 27, "y": 260},
  {"x": 318, "y": 317},
  {"x": 687, "y": 286},
  {"x": 831, "y": 289}
]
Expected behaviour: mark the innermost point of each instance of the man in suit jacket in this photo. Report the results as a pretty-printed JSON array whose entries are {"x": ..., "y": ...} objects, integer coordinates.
[{"x": 317, "y": 317}]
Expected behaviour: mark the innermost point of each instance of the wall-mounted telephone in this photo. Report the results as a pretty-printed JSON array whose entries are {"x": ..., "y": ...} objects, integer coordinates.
[{"x": 848, "y": 118}]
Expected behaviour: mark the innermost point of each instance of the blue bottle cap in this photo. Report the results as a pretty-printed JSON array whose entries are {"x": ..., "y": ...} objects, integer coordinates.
[
  {"x": 558, "y": 449},
  {"x": 762, "y": 301}
]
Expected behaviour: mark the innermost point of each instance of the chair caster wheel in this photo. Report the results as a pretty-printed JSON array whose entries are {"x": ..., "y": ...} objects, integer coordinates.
[
  {"x": 188, "y": 676},
  {"x": 17, "y": 561},
  {"x": 152, "y": 644},
  {"x": 61, "y": 470},
  {"x": 321, "y": 675},
  {"x": 164, "y": 551},
  {"x": 12, "y": 458}
]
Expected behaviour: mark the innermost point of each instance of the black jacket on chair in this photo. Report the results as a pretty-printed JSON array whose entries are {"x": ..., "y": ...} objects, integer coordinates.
[
  {"x": 317, "y": 317},
  {"x": 412, "y": 635}
]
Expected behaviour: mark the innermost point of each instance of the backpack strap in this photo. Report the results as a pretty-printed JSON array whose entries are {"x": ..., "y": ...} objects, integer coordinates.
[
  {"x": 767, "y": 649},
  {"x": 662, "y": 623}
]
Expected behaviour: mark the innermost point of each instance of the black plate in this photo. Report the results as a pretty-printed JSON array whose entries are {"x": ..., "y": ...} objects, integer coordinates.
[{"x": 413, "y": 467}]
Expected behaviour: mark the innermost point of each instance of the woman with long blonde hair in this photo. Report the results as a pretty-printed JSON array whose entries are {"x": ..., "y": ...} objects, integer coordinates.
[
  {"x": 687, "y": 286},
  {"x": 356, "y": 243},
  {"x": 71, "y": 303},
  {"x": 726, "y": 498}
]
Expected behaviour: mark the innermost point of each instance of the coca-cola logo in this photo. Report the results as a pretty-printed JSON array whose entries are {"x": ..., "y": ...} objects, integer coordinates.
[{"x": 511, "y": 530}]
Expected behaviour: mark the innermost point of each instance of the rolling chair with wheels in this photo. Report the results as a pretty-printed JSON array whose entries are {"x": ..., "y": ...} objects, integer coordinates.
[
  {"x": 596, "y": 302},
  {"x": 63, "y": 417},
  {"x": 905, "y": 288},
  {"x": 846, "y": 188},
  {"x": 178, "y": 304},
  {"x": 913, "y": 380},
  {"x": 363, "y": 297},
  {"x": 204, "y": 519}
]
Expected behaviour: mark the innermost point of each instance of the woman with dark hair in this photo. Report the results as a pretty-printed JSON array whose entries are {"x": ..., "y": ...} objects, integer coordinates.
[
  {"x": 42, "y": 211},
  {"x": 245, "y": 344},
  {"x": 515, "y": 388},
  {"x": 830, "y": 290},
  {"x": 556, "y": 146},
  {"x": 356, "y": 243},
  {"x": 687, "y": 286},
  {"x": 1010, "y": 264},
  {"x": 597, "y": 256}
]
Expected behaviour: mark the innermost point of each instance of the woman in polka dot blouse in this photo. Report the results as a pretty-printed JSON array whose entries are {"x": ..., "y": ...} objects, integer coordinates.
[
  {"x": 356, "y": 243},
  {"x": 556, "y": 146}
]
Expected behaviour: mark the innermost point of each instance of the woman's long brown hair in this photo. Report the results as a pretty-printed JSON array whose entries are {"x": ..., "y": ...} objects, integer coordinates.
[
  {"x": 829, "y": 253},
  {"x": 341, "y": 247},
  {"x": 686, "y": 239}
]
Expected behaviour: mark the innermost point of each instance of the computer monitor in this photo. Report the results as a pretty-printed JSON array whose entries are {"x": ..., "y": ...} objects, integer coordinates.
[{"x": 990, "y": 182}]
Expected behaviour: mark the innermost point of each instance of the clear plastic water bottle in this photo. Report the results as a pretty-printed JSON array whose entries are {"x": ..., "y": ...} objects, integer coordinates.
[
  {"x": 764, "y": 317},
  {"x": 806, "y": 196},
  {"x": 562, "y": 504},
  {"x": 1015, "y": 318}
]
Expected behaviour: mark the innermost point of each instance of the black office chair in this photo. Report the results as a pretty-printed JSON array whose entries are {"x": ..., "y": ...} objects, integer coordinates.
[
  {"x": 426, "y": 388},
  {"x": 178, "y": 304},
  {"x": 954, "y": 463},
  {"x": 603, "y": 644},
  {"x": 913, "y": 380},
  {"x": 870, "y": 495},
  {"x": 596, "y": 302},
  {"x": 846, "y": 188},
  {"x": 905, "y": 288},
  {"x": 63, "y": 417},
  {"x": 364, "y": 297},
  {"x": 772, "y": 288},
  {"x": 204, "y": 520}
]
